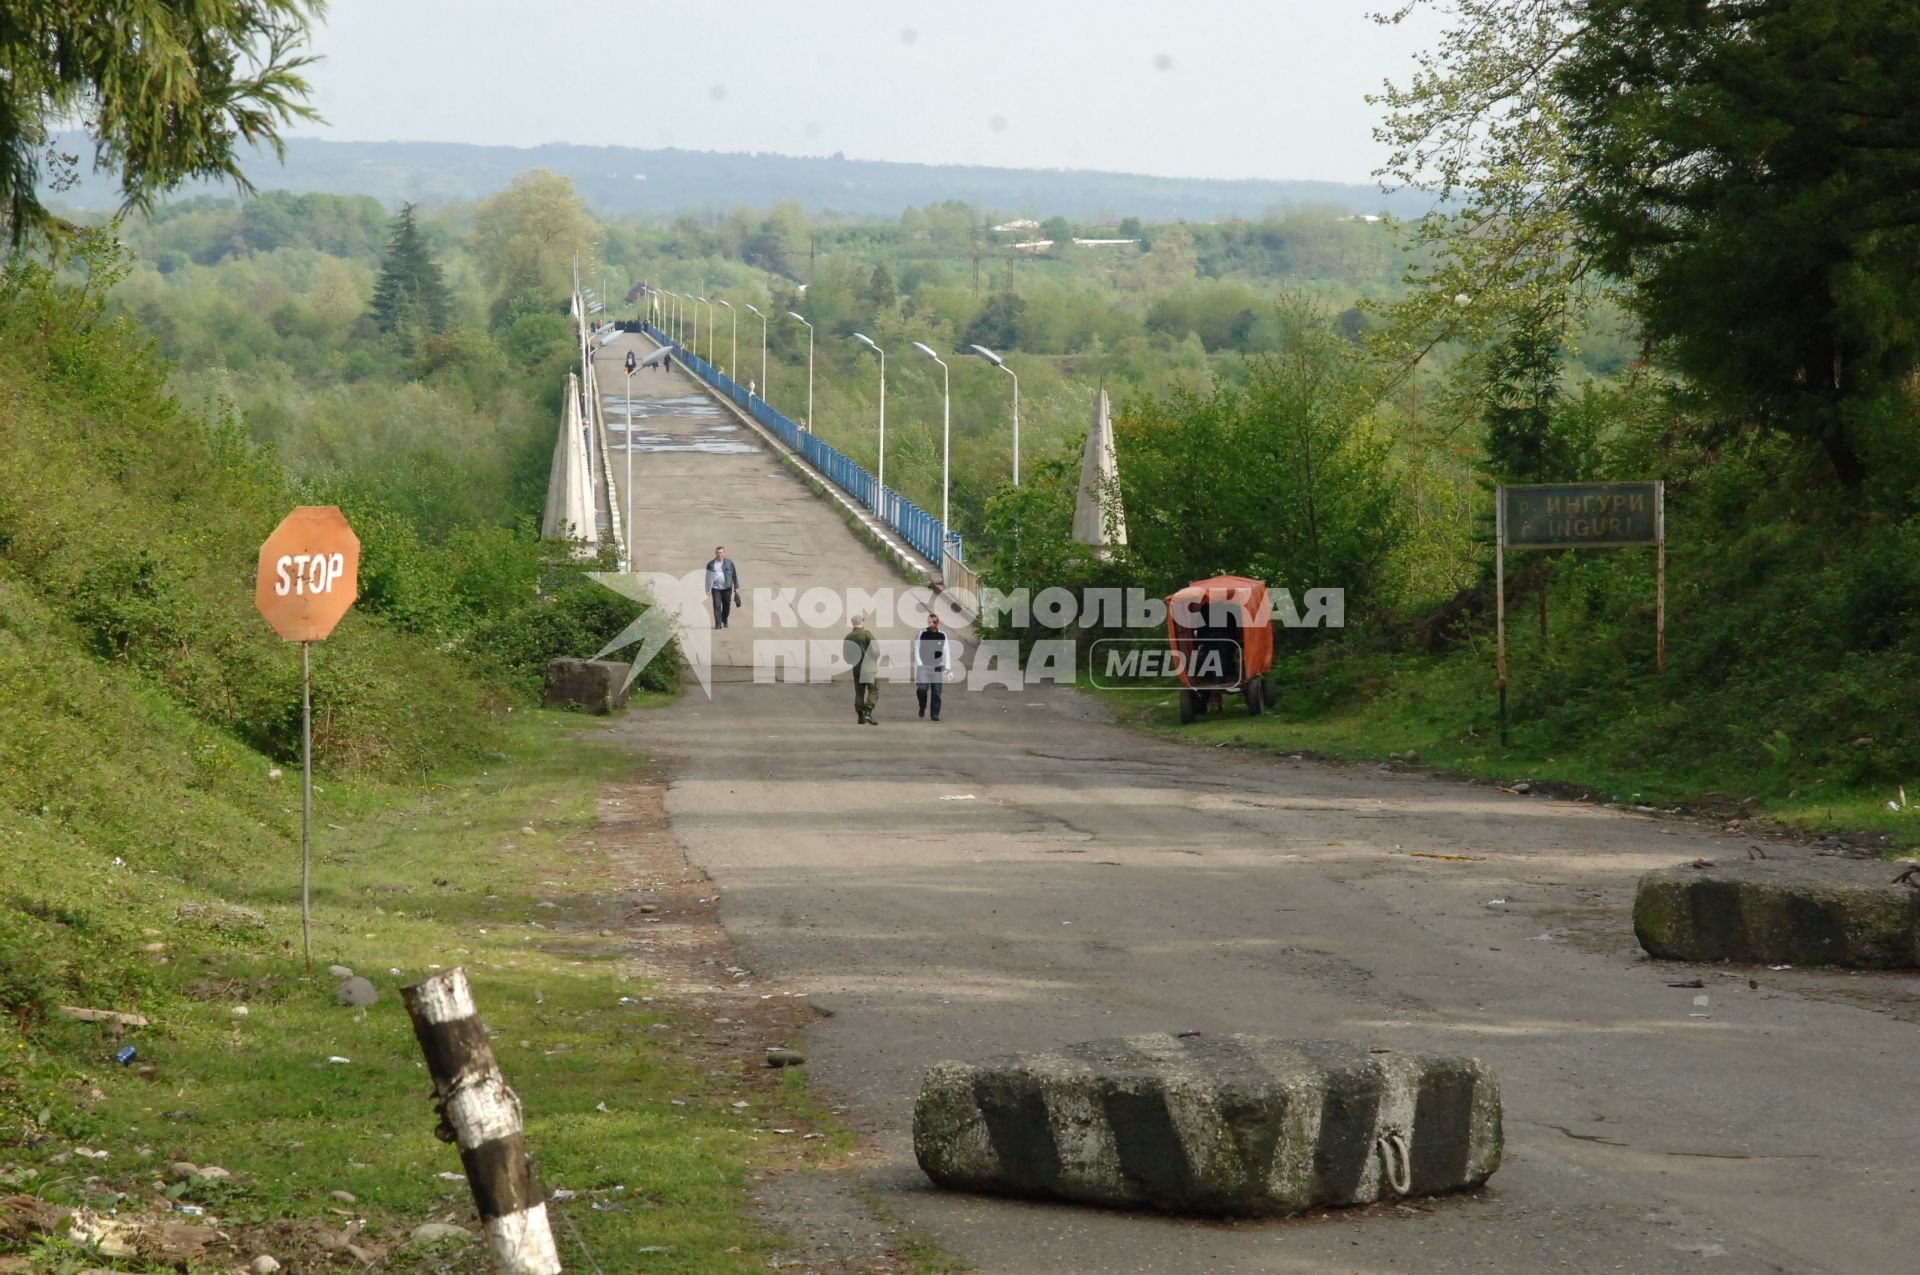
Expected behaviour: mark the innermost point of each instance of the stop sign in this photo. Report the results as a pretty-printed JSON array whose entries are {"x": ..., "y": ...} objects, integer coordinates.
[{"x": 309, "y": 573}]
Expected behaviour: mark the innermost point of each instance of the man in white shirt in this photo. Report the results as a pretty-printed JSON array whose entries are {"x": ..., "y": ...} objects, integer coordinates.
[{"x": 931, "y": 664}]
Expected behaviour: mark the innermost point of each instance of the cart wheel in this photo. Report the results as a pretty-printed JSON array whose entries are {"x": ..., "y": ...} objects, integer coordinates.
[
  {"x": 1252, "y": 695},
  {"x": 1189, "y": 706}
]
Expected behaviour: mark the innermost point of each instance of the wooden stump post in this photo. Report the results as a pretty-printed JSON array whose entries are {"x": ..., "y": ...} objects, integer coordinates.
[{"x": 484, "y": 1116}]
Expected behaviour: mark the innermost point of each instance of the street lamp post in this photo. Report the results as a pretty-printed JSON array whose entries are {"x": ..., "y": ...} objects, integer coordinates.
[
  {"x": 881, "y": 478},
  {"x": 733, "y": 351},
  {"x": 763, "y": 351},
  {"x": 712, "y": 326},
  {"x": 1000, "y": 363},
  {"x": 809, "y": 327},
  {"x": 626, "y": 436},
  {"x": 946, "y": 440}
]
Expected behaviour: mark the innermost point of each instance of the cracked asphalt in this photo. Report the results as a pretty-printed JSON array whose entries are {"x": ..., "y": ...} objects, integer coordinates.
[{"x": 1026, "y": 874}]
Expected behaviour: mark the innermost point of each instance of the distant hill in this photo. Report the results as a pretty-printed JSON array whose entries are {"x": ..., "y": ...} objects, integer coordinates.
[{"x": 621, "y": 179}]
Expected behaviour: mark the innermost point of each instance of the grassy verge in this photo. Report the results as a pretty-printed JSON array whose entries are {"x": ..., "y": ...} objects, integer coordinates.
[
  {"x": 299, "y": 1097},
  {"x": 1441, "y": 710}
]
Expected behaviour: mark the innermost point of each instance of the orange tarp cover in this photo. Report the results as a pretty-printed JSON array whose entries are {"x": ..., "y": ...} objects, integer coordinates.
[{"x": 1188, "y": 612}]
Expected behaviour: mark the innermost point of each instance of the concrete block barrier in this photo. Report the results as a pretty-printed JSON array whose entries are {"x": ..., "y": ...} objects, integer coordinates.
[
  {"x": 1775, "y": 912},
  {"x": 597, "y": 686},
  {"x": 1217, "y": 1125}
]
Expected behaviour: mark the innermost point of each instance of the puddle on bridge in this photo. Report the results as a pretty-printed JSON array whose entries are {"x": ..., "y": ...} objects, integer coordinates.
[
  {"x": 716, "y": 433},
  {"x": 695, "y": 406},
  {"x": 712, "y": 444}
]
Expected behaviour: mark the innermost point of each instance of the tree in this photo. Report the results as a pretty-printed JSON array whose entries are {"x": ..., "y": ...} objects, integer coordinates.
[
  {"x": 1752, "y": 169},
  {"x": 410, "y": 298},
  {"x": 1523, "y": 387},
  {"x": 1170, "y": 261},
  {"x": 1480, "y": 128},
  {"x": 881, "y": 297},
  {"x": 169, "y": 90},
  {"x": 998, "y": 324},
  {"x": 1285, "y": 477},
  {"x": 528, "y": 235}
]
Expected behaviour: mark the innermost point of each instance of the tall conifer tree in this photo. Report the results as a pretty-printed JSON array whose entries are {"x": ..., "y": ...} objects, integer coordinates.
[{"x": 410, "y": 298}]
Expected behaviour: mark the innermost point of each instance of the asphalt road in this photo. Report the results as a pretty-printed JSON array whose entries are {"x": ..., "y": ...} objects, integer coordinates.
[{"x": 1025, "y": 874}]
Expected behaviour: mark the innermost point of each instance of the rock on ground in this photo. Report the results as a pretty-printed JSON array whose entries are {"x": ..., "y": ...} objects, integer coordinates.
[
  {"x": 1210, "y": 1124},
  {"x": 598, "y": 686},
  {"x": 356, "y": 991},
  {"x": 221, "y": 916},
  {"x": 1780, "y": 912},
  {"x": 434, "y": 1232}
]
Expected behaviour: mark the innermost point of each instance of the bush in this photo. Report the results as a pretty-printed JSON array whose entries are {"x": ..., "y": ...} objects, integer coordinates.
[{"x": 574, "y": 617}]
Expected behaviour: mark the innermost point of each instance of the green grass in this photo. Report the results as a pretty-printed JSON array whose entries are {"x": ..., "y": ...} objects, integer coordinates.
[
  {"x": 1443, "y": 709},
  {"x": 458, "y": 873}
]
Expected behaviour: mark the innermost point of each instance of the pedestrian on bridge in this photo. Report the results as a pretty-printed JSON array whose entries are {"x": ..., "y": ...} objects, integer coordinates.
[
  {"x": 865, "y": 662},
  {"x": 931, "y": 665},
  {"x": 723, "y": 584}
]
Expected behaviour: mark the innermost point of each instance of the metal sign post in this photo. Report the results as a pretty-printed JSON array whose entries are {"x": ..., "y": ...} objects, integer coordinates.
[
  {"x": 306, "y": 802},
  {"x": 309, "y": 576},
  {"x": 1577, "y": 516},
  {"x": 1500, "y": 603},
  {"x": 627, "y": 436}
]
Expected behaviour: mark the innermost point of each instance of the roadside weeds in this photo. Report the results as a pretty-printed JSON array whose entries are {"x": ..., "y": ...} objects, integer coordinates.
[{"x": 256, "y": 1106}]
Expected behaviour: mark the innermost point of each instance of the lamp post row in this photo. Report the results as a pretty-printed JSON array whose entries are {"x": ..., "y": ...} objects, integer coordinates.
[{"x": 946, "y": 387}]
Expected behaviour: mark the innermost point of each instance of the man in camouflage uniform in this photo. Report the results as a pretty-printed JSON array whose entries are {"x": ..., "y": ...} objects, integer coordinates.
[{"x": 860, "y": 654}]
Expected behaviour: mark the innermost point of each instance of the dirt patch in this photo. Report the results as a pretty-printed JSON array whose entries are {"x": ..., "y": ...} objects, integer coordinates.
[
  {"x": 666, "y": 913},
  {"x": 159, "y": 1242}
]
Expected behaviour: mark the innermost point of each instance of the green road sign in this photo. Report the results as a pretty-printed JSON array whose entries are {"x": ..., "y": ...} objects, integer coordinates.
[{"x": 1582, "y": 515}]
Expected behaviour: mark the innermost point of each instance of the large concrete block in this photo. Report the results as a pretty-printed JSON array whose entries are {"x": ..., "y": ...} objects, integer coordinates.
[
  {"x": 1222, "y": 1125},
  {"x": 598, "y": 686},
  {"x": 1779, "y": 912}
]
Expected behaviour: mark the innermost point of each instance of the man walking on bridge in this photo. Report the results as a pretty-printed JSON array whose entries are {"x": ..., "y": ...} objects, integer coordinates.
[
  {"x": 723, "y": 584},
  {"x": 930, "y": 666},
  {"x": 865, "y": 662}
]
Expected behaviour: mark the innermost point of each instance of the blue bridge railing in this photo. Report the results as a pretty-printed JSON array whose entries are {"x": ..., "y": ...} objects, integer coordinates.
[{"x": 915, "y": 525}]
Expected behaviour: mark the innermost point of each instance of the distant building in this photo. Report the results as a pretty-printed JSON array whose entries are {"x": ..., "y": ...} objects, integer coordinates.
[
  {"x": 1369, "y": 217},
  {"x": 1014, "y": 227},
  {"x": 1104, "y": 243}
]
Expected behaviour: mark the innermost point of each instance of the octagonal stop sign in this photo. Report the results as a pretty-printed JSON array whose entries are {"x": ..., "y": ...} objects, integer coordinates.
[{"x": 309, "y": 573}]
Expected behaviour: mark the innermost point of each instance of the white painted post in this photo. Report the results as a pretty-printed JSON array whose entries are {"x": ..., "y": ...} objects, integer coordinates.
[{"x": 484, "y": 1117}]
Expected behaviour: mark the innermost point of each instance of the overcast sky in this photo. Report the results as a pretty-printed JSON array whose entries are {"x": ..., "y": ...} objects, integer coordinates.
[{"x": 1241, "y": 88}]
